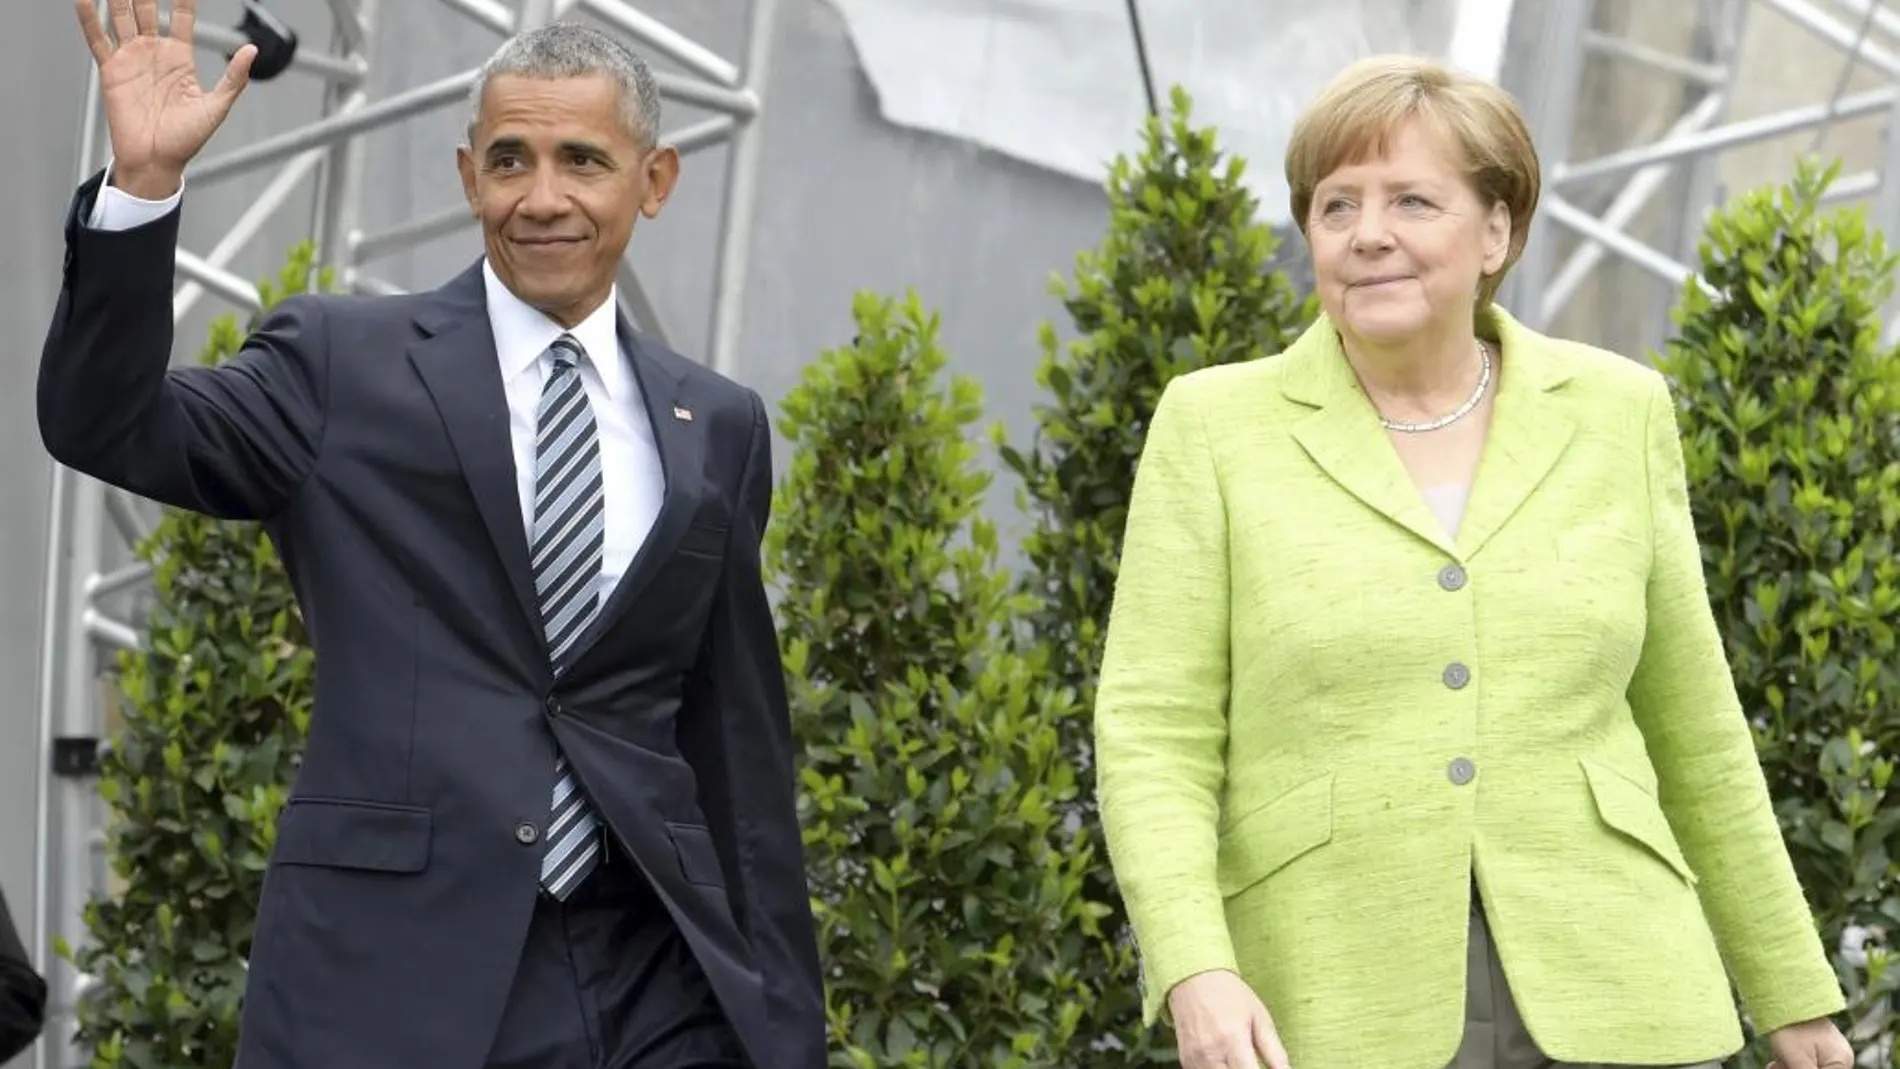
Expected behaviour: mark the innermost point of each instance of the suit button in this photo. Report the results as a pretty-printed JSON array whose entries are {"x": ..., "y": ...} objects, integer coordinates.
[
  {"x": 1451, "y": 577},
  {"x": 527, "y": 834},
  {"x": 553, "y": 705},
  {"x": 1462, "y": 771},
  {"x": 1457, "y": 675}
]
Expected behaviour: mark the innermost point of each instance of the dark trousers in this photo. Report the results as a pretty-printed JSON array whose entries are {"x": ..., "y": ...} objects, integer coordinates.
[
  {"x": 606, "y": 981},
  {"x": 1495, "y": 1035}
]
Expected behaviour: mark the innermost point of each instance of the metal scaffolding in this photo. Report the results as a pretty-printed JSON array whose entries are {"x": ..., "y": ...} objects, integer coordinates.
[
  {"x": 90, "y": 597},
  {"x": 1597, "y": 209}
]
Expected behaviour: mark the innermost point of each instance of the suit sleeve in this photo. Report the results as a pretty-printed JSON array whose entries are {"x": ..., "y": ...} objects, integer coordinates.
[
  {"x": 234, "y": 441},
  {"x": 1710, "y": 780},
  {"x": 738, "y": 734},
  {"x": 1161, "y": 705},
  {"x": 22, "y": 992}
]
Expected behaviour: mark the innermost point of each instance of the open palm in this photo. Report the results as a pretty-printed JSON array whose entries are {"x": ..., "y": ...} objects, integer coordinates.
[{"x": 158, "y": 115}]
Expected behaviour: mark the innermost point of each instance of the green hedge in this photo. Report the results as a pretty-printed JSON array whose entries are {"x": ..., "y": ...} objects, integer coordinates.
[
  {"x": 949, "y": 894},
  {"x": 1790, "y": 412}
]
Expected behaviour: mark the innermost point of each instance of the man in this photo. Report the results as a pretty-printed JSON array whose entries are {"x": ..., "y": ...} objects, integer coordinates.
[
  {"x": 545, "y": 819},
  {"x": 22, "y": 991}
]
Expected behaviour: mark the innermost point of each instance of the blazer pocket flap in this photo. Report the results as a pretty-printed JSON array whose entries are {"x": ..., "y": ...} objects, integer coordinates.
[
  {"x": 1271, "y": 837},
  {"x": 1632, "y": 810},
  {"x": 335, "y": 833},
  {"x": 699, "y": 857}
]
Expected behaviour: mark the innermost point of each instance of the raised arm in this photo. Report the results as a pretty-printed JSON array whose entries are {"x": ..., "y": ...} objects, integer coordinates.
[{"x": 235, "y": 441}]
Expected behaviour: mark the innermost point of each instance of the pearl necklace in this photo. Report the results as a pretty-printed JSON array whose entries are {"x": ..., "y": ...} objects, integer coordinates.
[{"x": 1456, "y": 414}]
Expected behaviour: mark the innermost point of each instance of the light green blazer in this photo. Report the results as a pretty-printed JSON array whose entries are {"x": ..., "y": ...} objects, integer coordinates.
[{"x": 1319, "y": 715}]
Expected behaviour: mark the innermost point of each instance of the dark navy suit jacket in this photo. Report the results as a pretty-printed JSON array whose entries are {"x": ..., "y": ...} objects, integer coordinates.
[
  {"x": 22, "y": 991},
  {"x": 370, "y": 436}
]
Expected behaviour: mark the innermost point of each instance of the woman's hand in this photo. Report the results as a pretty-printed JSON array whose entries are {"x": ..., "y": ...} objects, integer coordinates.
[
  {"x": 1221, "y": 1024},
  {"x": 1815, "y": 1044}
]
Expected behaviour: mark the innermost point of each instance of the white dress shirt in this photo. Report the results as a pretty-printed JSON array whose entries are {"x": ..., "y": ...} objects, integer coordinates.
[{"x": 633, "y": 480}]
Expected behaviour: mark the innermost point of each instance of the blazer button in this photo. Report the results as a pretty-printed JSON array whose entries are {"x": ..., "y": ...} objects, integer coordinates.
[
  {"x": 1462, "y": 771},
  {"x": 1457, "y": 675},
  {"x": 527, "y": 834},
  {"x": 1451, "y": 577},
  {"x": 553, "y": 705}
]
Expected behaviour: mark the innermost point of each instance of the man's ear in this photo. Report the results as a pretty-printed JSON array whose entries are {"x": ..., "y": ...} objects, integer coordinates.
[
  {"x": 663, "y": 173},
  {"x": 465, "y": 165}
]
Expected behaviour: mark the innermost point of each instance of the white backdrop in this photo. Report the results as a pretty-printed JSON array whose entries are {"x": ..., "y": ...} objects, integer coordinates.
[{"x": 1056, "y": 83}]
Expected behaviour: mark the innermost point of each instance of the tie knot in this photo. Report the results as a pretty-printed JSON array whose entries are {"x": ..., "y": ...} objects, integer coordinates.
[{"x": 566, "y": 352}]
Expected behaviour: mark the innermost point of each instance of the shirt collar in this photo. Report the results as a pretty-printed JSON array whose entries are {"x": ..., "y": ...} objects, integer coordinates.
[{"x": 523, "y": 333}]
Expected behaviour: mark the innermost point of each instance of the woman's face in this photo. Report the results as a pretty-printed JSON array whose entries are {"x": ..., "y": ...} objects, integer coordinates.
[{"x": 1401, "y": 242}]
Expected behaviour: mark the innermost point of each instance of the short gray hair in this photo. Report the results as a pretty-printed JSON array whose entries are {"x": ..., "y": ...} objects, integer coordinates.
[{"x": 570, "y": 50}]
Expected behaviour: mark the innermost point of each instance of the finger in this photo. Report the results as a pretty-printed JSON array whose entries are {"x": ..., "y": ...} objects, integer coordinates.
[
  {"x": 145, "y": 14},
  {"x": 1266, "y": 1043},
  {"x": 184, "y": 20},
  {"x": 237, "y": 75},
  {"x": 124, "y": 25},
  {"x": 95, "y": 32}
]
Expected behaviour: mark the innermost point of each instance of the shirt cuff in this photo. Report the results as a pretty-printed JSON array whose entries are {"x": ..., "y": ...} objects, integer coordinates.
[{"x": 115, "y": 209}]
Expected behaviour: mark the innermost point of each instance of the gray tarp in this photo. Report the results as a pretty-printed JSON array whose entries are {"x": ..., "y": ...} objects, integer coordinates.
[{"x": 1055, "y": 82}]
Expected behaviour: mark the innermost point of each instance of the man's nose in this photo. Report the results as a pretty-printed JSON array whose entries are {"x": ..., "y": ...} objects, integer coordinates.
[{"x": 546, "y": 195}]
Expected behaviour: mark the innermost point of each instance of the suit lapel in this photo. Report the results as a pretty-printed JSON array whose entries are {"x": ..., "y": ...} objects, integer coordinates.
[
  {"x": 1530, "y": 429},
  {"x": 679, "y": 435},
  {"x": 1344, "y": 438},
  {"x": 457, "y": 362}
]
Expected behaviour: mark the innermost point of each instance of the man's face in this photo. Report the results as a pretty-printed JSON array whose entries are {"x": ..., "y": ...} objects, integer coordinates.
[{"x": 558, "y": 180}]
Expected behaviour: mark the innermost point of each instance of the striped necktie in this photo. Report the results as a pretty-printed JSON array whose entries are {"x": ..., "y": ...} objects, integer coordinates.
[{"x": 569, "y": 525}]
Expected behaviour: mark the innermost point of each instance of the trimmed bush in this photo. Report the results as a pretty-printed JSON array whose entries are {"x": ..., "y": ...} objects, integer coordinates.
[
  {"x": 215, "y": 710},
  {"x": 1790, "y": 412},
  {"x": 948, "y": 891},
  {"x": 1184, "y": 279}
]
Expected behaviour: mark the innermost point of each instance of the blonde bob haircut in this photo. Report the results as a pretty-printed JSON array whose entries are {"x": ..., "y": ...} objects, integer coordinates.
[{"x": 1368, "y": 103}]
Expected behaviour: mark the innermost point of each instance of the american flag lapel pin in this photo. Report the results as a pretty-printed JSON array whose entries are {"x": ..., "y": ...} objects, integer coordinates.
[{"x": 682, "y": 413}]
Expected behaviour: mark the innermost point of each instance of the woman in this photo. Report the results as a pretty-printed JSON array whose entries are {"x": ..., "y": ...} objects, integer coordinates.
[
  {"x": 1417, "y": 747},
  {"x": 22, "y": 992}
]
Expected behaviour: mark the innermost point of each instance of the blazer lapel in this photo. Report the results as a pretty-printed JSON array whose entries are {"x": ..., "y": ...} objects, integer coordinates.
[
  {"x": 679, "y": 435},
  {"x": 1530, "y": 430},
  {"x": 1344, "y": 438},
  {"x": 457, "y": 362}
]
